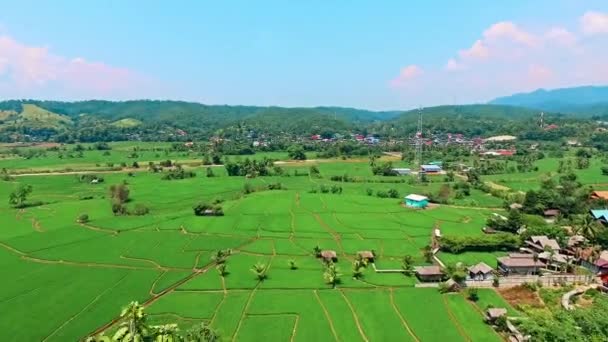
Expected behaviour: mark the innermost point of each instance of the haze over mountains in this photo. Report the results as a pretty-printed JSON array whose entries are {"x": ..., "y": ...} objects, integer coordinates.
[{"x": 587, "y": 100}]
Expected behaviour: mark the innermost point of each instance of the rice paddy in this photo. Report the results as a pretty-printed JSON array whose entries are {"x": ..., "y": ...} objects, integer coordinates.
[{"x": 64, "y": 280}]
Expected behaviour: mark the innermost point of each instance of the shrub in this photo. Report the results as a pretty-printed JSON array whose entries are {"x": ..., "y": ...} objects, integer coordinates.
[
  {"x": 382, "y": 194},
  {"x": 473, "y": 294},
  {"x": 392, "y": 193},
  {"x": 83, "y": 218},
  {"x": 204, "y": 209},
  {"x": 140, "y": 210},
  {"x": 494, "y": 242}
]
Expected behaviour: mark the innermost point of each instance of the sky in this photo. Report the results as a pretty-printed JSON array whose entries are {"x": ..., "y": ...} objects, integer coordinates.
[{"x": 353, "y": 53}]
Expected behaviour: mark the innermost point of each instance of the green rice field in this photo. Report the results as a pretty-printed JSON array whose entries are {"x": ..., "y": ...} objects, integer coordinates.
[{"x": 64, "y": 280}]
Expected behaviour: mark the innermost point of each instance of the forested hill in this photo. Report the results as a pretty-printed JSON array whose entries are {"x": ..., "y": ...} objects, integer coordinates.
[
  {"x": 587, "y": 101},
  {"x": 472, "y": 120},
  {"x": 175, "y": 120},
  {"x": 107, "y": 120}
]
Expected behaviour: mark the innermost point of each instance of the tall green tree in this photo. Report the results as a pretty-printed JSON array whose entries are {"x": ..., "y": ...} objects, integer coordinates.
[{"x": 18, "y": 197}]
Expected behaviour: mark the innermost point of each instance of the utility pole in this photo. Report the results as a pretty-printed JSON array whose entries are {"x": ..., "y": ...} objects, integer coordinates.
[{"x": 419, "y": 140}]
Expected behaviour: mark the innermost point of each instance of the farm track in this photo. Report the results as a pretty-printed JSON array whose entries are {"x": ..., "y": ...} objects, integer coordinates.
[
  {"x": 352, "y": 310},
  {"x": 455, "y": 320},
  {"x": 329, "y": 320},
  {"x": 164, "y": 292},
  {"x": 403, "y": 321}
]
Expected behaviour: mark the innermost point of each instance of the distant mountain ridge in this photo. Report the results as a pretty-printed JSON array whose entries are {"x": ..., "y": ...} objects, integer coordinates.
[{"x": 585, "y": 100}]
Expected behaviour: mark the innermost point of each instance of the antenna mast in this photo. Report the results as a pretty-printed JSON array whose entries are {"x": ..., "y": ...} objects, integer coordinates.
[
  {"x": 419, "y": 139},
  {"x": 542, "y": 120}
]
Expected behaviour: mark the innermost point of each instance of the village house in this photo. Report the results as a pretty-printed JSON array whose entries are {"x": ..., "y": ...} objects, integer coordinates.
[
  {"x": 600, "y": 214},
  {"x": 402, "y": 171},
  {"x": 542, "y": 243},
  {"x": 519, "y": 263},
  {"x": 416, "y": 201},
  {"x": 599, "y": 195},
  {"x": 551, "y": 215},
  {"x": 554, "y": 260},
  {"x": 430, "y": 168},
  {"x": 366, "y": 255},
  {"x": 492, "y": 314},
  {"x": 480, "y": 272},
  {"x": 429, "y": 273},
  {"x": 329, "y": 255}
]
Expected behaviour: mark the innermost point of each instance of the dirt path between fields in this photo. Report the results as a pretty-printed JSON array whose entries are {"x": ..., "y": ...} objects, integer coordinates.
[
  {"x": 331, "y": 323},
  {"x": 455, "y": 320},
  {"x": 352, "y": 310},
  {"x": 403, "y": 321}
]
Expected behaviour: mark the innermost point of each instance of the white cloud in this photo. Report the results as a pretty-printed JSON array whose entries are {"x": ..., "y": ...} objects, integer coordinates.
[
  {"x": 594, "y": 23},
  {"x": 509, "y": 58},
  {"x": 561, "y": 36},
  {"x": 509, "y": 31},
  {"x": 406, "y": 75},
  {"x": 27, "y": 71},
  {"x": 454, "y": 65}
]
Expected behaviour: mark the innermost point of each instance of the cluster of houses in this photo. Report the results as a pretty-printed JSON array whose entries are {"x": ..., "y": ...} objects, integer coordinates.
[
  {"x": 431, "y": 168},
  {"x": 540, "y": 253}
]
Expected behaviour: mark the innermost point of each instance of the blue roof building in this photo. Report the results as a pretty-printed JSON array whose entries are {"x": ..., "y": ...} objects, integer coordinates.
[
  {"x": 416, "y": 201},
  {"x": 600, "y": 214}
]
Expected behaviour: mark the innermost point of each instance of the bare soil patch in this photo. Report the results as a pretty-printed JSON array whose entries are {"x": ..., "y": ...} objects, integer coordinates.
[{"x": 520, "y": 295}]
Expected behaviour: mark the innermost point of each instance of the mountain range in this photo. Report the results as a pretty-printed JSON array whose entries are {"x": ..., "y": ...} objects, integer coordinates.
[{"x": 586, "y": 100}]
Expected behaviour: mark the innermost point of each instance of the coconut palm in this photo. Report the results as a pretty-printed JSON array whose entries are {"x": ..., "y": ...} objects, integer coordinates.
[
  {"x": 535, "y": 258},
  {"x": 201, "y": 333},
  {"x": 317, "y": 251},
  {"x": 260, "y": 271},
  {"x": 408, "y": 265},
  {"x": 133, "y": 327},
  {"x": 587, "y": 227},
  {"x": 427, "y": 253},
  {"x": 221, "y": 269},
  {"x": 358, "y": 268},
  {"x": 332, "y": 274},
  {"x": 292, "y": 264},
  {"x": 220, "y": 256},
  {"x": 166, "y": 333}
]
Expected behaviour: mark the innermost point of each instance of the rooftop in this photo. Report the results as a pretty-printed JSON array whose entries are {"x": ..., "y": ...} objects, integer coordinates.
[
  {"x": 428, "y": 270},
  {"x": 600, "y": 194},
  {"x": 544, "y": 241},
  {"x": 496, "y": 312},
  {"x": 600, "y": 214},
  {"x": 482, "y": 267},
  {"x": 329, "y": 254},
  {"x": 414, "y": 197},
  {"x": 520, "y": 262}
]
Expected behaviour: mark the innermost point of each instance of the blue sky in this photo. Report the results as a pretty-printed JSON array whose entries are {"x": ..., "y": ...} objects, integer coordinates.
[{"x": 366, "y": 54}]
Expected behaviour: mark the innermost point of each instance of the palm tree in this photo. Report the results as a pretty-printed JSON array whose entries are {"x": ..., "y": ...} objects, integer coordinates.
[
  {"x": 408, "y": 265},
  {"x": 358, "y": 268},
  {"x": 535, "y": 258},
  {"x": 332, "y": 274},
  {"x": 133, "y": 327},
  {"x": 427, "y": 252},
  {"x": 317, "y": 251},
  {"x": 260, "y": 271},
  {"x": 221, "y": 269},
  {"x": 292, "y": 264},
  {"x": 166, "y": 333},
  {"x": 587, "y": 227},
  {"x": 201, "y": 333},
  {"x": 219, "y": 257}
]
